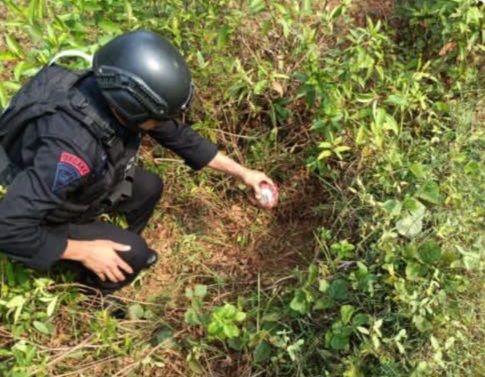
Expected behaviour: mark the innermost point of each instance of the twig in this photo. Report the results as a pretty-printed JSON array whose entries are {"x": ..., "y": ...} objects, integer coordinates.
[
  {"x": 64, "y": 355},
  {"x": 125, "y": 299},
  {"x": 159, "y": 159},
  {"x": 239, "y": 136},
  {"x": 88, "y": 366}
]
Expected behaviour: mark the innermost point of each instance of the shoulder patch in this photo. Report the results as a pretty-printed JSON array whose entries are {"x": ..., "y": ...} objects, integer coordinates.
[{"x": 69, "y": 169}]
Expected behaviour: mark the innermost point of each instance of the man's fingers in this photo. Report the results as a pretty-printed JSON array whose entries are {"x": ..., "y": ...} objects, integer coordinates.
[
  {"x": 120, "y": 247},
  {"x": 270, "y": 181},
  {"x": 101, "y": 276},
  {"x": 257, "y": 191},
  {"x": 117, "y": 273},
  {"x": 111, "y": 277},
  {"x": 124, "y": 266}
]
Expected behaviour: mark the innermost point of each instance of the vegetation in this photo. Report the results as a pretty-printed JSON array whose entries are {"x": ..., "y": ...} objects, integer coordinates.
[{"x": 370, "y": 117}]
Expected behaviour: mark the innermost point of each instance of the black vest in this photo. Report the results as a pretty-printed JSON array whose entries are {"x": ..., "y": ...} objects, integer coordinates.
[{"x": 51, "y": 90}]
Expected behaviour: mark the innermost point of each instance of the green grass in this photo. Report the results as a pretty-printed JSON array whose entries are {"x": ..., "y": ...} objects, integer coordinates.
[{"x": 373, "y": 263}]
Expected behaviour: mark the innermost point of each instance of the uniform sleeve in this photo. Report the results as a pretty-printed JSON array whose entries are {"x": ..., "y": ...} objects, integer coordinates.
[
  {"x": 58, "y": 168},
  {"x": 196, "y": 151}
]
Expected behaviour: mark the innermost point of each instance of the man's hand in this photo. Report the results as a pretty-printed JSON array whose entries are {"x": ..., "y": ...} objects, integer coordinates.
[
  {"x": 255, "y": 179},
  {"x": 101, "y": 257},
  {"x": 251, "y": 178}
]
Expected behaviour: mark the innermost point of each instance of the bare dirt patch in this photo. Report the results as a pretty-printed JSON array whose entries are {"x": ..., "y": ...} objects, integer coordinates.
[{"x": 212, "y": 238}]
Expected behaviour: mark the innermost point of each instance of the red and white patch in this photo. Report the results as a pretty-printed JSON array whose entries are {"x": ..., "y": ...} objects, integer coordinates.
[
  {"x": 75, "y": 161},
  {"x": 70, "y": 168}
]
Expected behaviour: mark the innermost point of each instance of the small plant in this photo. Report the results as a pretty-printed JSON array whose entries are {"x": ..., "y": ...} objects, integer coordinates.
[
  {"x": 224, "y": 322},
  {"x": 195, "y": 315}
]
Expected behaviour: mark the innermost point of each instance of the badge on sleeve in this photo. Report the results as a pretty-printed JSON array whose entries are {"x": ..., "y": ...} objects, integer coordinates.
[{"x": 69, "y": 169}]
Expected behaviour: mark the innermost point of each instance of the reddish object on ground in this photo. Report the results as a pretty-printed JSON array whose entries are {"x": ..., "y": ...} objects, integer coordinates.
[{"x": 269, "y": 195}]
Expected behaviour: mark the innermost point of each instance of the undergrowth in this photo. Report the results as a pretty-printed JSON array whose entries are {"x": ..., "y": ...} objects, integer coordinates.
[{"x": 373, "y": 263}]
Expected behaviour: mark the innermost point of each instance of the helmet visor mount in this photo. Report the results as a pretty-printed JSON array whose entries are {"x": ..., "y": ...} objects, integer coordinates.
[{"x": 147, "y": 103}]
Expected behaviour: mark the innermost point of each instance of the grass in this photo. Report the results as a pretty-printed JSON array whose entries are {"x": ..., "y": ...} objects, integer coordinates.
[{"x": 372, "y": 265}]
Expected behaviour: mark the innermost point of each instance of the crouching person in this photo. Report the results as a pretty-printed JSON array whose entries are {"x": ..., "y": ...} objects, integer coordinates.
[{"x": 73, "y": 137}]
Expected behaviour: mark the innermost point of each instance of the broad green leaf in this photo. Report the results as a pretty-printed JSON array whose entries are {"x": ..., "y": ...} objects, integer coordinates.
[
  {"x": 429, "y": 252},
  {"x": 415, "y": 270},
  {"x": 392, "y": 207},
  {"x": 51, "y": 307},
  {"x": 339, "y": 342},
  {"x": 16, "y": 302},
  {"x": 411, "y": 223},
  {"x": 191, "y": 317},
  {"x": 324, "y": 303},
  {"x": 200, "y": 290},
  {"x": 324, "y": 155},
  {"x": 135, "y": 312},
  {"x": 410, "y": 226},
  {"x": 231, "y": 330},
  {"x": 391, "y": 124},
  {"x": 360, "y": 319},
  {"x": 240, "y": 316},
  {"x": 189, "y": 293},
  {"x": 325, "y": 145},
  {"x": 430, "y": 192},
  {"x": 214, "y": 328},
  {"x": 418, "y": 170},
  {"x": 299, "y": 303},
  {"x": 338, "y": 289},
  {"x": 414, "y": 206},
  {"x": 228, "y": 311},
  {"x": 262, "y": 352},
  {"x": 312, "y": 274},
  {"x": 323, "y": 285},
  {"x": 110, "y": 27},
  {"x": 164, "y": 334},
  {"x": 397, "y": 100},
  {"x": 346, "y": 312},
  {"x": 41, "y": 327},
  {"x": 260, "y": 86}
]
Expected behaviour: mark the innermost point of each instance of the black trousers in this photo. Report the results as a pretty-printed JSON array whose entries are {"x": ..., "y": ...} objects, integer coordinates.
[{"x": 147, "y": 190}]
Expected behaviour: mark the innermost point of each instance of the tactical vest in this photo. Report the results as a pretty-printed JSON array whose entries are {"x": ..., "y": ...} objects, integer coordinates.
[{"x": 51, "y": 90}]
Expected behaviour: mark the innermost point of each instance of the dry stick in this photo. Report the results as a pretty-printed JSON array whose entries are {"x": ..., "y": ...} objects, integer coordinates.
[
  {"x": 126, "y": 299},
  {"x": 71, "y": 285},
  {"x": 88, "y": 366},
  {"x": 64, "y": 355},
  {"x": 239, "y": 136},
  {"x": 129, "y": 367},
  {"x": 159, "y": 159}
]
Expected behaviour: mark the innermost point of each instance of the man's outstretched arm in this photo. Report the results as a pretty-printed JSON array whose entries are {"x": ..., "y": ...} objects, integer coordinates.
[{"x": 249, "y": 177}]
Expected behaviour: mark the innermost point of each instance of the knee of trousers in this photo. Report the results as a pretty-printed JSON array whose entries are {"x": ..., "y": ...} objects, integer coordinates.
[
  {"x": 137, "y": 256},
  {"x": 154, "y": 186}
]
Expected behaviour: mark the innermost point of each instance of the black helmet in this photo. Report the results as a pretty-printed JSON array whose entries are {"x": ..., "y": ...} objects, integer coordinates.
[{"x": 143, "y": 76}]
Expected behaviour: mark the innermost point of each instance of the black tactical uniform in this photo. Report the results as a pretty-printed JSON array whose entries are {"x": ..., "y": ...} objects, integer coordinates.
[{"x": 58, "y": 158}]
